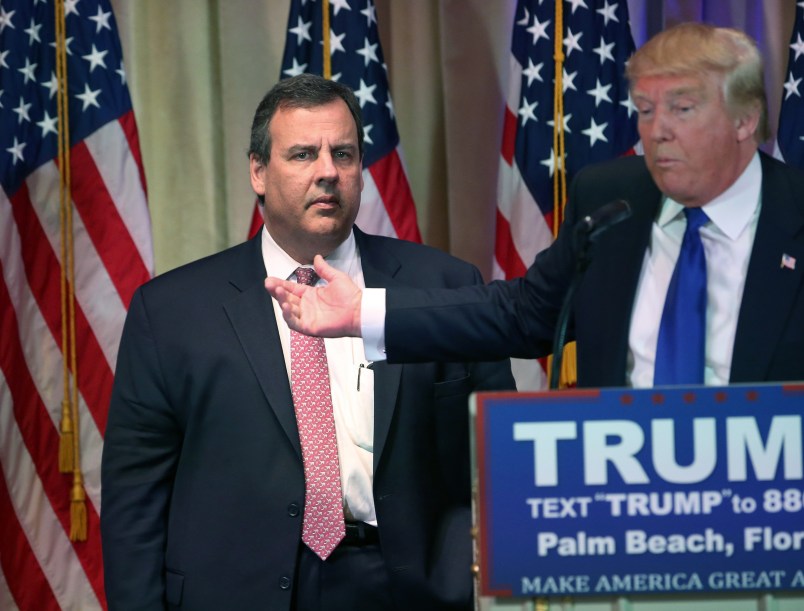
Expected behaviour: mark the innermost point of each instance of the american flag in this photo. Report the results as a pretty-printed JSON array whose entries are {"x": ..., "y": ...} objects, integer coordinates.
[
  {"x": 599, "y": 122},
  {"x": 356, "y": 59},
  {"x": 790, "y": 135},
  {"x": 42, "y": 568}
]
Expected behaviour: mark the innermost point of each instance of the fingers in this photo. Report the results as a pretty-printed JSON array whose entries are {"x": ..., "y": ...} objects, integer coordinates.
[
  {"x": 277, "y": 287},
  {"x": 324, "y": 269}
]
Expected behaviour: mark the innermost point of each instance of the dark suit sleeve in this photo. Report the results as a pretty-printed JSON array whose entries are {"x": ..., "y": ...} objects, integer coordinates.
[{"x": 140, "y": 451}]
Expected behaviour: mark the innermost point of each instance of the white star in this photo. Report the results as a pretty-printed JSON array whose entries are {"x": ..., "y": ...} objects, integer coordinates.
[
  {"x": 366, "y": 131},
  {"x": 371, "y": 14},
  {"x": 52, "y": 85},
  {"x": 2, "y": 91},
  {"x": 390, "y": 106},
  {"x": 22, "y": 111},
  {"x": 571, "y": 42},
  {"x": 576, "y": 3},
  {"x": 365, "y": 93},
  {"x": 302, "y": 31},
  {"x": 28, "y": 70},
  {"x": 5, "y": 19},
  {"x": 565, "y": 123},
  {"x": 336, "y": 77},
  {"x": 798, "y": 46},
  {"x": 568, "y": 81},
  {"x": 122, "y": 72},
  {"x": 608, "y": 12},
  {"x": 600, "y": 93},
  {"x": 533, "y": 72},
  {"x": 337, "y": 5},
  {"x": 3, "y": 55},
  {"x": 69, "y": 7},
  {"x": 95, "y": 58},
  {"x": 33, "y": 32},
  {"x": 89, "y": 97},
  {"x": 67, "y": 44},
  {"x": 595, "y": 132},
  {"x": 48, "y": 125},
  {"x": 526, "y": 111},
  {"x": 604, "y": 51},
  {"x": 369, "y": 52},
  {"x": 629, "y": 104},
  {"x": 539, "y": 29},
  {"x": 791, "y": 86},
  {"x": 102, "y": 19},
  {"x": 551, "y": 163},
  {"x": 336, "y": 42},
  {"x": 16, "y": 150},
  {"x": 524, "y": 21},
  {"x": 296, "y": 69}
]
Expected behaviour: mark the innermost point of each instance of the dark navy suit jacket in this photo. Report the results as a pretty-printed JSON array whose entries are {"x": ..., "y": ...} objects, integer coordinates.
[
  {"x": 517, "y": 318},
  {"x": 203, "y": 485}
]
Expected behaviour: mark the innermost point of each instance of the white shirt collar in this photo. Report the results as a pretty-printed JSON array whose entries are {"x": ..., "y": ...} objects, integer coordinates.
[
  {"x": 732, "y": 210},
  {"x": 280, "y": 264}
]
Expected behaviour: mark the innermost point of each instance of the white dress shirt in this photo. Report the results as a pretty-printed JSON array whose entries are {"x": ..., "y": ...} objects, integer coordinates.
[{"x": 353, "y": 409}]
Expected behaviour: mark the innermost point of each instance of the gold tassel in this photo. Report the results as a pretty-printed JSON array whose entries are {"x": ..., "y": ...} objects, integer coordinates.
[
  {"x": 78, "y": 509},
  {"x": 66, "y": 454}
]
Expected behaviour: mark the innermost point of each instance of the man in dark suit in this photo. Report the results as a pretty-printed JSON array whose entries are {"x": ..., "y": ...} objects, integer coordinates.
[
  {"x": 702, "y": 113},
  {"x": 203, "y": 474}
]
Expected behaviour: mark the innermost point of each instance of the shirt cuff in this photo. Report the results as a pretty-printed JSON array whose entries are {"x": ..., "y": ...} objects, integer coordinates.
[{"x": 372, "y": 323}]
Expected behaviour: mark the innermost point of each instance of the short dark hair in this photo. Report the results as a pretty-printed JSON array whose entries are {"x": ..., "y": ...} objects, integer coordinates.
[{"x": 302, "y": 91}]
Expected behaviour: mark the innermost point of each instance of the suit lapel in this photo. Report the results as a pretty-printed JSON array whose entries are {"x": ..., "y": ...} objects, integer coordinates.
[
  {"x": 379, "y": 269},
  {"x": 770, "y": 288},
  {"x": 252, "y": 317}
]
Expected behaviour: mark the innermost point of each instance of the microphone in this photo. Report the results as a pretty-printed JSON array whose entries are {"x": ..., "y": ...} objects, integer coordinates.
[{"x": 592, "y": 225}]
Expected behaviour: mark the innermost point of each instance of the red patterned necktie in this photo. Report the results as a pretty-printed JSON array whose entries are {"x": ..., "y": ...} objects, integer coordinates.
[{"x": 323, "y": 526}]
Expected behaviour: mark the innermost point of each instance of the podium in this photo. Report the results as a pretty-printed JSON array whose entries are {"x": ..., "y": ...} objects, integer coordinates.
[{"x": 692, "y": 495}]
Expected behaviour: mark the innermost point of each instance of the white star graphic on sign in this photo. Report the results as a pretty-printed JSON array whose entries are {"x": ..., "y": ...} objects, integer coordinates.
[
  {"x": 366, "y": 131},
  {"x": 337, "y": 5},
  {"x": 102, "y": 20},
  {"x": 369, "y": 52},
  {"x": 568, "y": 81},
  {"x": 595, "y": 132},
  {"x": 67, "y": 44},
  {"x": 22, "y": 111},
  {"x": 600, "y": 93},
  {"x": 571, "y": 42},
  {"x": 791, "y": 86},
  {"x": 365, "y": 93},
  {"x": 122, "y": 72},
  {"x": 604, "y": 51},
  {"x": 89, "y": 97},
  {"x": 95, "y": 58},
  {"x": 3, "y": 55},
  {"x": 608, "y": 12},
  {"x": 539, "y": 29},
  {"x": 69, "y": 7},
  {"x": 526, "y": 111},
  {"x": 565, "y": 123},
  {"x": 629, "y": 105},
  {"x": 296, "y": 69},
  {"x": 28, "y": 70},
  {"x": 371, "y": 14},
  {"x": 52, "y": 85},
  {"x": 533, "y": 72},
  {"x": 551, "y": 163},
  {"x": 48, "y": 124},
  {"x": 302, "y": 31},
  {"x": 5, "y": 19},
  {"x": 16, "y": 150},
  {"x": 336, "y": 42},
  {"x": 798, "y": 46},
  {"x": 33, "y": 32},
  {"x": 576, "y": 3},
  {"x": 524, "y": 21}
]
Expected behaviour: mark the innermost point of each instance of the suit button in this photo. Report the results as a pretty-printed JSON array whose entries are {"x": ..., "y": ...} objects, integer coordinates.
[
  {"x": 284, "y": 583},
  {"x": 293, "y": 510}
]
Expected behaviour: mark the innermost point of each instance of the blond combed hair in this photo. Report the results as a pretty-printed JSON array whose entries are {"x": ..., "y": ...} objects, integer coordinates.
[{"x": 703, "y": 50}]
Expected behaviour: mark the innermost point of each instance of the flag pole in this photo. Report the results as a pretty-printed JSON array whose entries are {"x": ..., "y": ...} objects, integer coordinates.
[{"x": 327, "y": 64}]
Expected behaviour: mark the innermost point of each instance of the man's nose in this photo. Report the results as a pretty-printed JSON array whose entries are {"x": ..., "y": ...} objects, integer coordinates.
[{"x": 326, "y": 168}]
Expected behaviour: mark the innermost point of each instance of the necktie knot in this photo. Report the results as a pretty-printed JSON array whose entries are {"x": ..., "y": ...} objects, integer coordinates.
[
  {"x": 696, "y": 218},
  {"x": 306, "y": 275}
]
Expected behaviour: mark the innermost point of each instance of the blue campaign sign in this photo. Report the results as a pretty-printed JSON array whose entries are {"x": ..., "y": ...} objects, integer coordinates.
[{"x": 627, "y": 491}]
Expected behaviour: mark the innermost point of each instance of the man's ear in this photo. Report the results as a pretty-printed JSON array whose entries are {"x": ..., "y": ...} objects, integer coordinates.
[
  {"x": 257, "y": 174},
  {"x": 747, "y": 124}
]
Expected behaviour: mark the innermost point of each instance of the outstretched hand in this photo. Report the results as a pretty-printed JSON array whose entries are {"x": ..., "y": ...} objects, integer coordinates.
[{"x": 328, "y": 311}]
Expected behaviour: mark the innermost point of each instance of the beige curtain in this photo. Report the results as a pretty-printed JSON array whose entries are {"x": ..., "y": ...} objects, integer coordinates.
[{"x": 197, "y": 70}]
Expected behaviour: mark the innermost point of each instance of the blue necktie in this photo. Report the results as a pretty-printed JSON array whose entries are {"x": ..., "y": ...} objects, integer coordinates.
[{"x": 682, "y": 335}]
